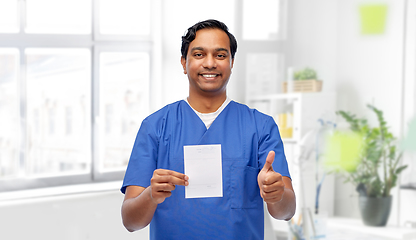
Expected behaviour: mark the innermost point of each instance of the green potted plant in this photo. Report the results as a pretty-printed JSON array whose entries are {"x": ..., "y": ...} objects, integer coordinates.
[
  {"x": 305, "y": 74},
  {"x": 304, "y": 80},
  {"x": 378, "y": 167}
]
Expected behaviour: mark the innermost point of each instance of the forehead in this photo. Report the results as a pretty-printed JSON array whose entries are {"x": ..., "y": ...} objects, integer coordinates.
[{"x": 208, "y": 38}]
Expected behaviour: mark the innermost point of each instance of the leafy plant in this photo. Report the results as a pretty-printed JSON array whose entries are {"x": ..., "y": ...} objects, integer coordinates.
[
  {"x": 307, "y": 73},
  {"x": 379, "y": 165}
]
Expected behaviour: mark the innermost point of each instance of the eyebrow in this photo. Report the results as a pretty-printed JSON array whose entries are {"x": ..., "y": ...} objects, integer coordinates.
[
  {"x": 202, "y": 49},
  {"x": 222, "y": 49}
]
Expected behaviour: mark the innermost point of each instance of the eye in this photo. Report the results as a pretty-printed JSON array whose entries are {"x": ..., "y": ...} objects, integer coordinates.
[
  {"x": 221, "y": 56},
  {"x": 198, "y": 55}
]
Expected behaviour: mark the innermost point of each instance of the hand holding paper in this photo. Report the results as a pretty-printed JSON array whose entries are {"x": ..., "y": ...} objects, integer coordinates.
[
  {"x": 163, "y": 182},
  {"x": 270, "y": 182}
]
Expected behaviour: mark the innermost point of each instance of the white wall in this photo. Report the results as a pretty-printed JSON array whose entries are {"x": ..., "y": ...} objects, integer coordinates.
[
  {"x": 370, "y": 66},
  {"x": 75, "y": 217},
  {"x": 362, "y": 69},
  {"x": 370, "y": 71},
  {"x": 314, "y": 35},
  {"x": 78, "y": 216}
]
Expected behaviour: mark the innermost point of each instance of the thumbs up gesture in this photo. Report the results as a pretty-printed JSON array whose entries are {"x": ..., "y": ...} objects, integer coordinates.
[{"x": 270, "y": 182}]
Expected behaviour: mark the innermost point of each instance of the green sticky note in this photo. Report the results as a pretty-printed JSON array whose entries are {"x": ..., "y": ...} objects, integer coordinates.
[
  {"x": 409, "y": 142},
  {"x": 373, "y": 18},
  {"x": 343, "y": 151}
]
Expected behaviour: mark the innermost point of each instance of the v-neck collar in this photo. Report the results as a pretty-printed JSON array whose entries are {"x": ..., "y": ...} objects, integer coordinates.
[{"x": 223, "y": 106}]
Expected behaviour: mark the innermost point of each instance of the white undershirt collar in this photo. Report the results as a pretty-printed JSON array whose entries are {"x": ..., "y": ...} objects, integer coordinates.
[{"x": 208, "y": 118}]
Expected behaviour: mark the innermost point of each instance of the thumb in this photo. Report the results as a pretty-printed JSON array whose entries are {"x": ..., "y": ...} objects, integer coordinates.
[{"x": 269, "y": 161}]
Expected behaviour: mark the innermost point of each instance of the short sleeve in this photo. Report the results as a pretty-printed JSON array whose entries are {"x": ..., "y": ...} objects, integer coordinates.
[
  {"x": 270, "y": 140},
  {"x": 143, "y": 157}
]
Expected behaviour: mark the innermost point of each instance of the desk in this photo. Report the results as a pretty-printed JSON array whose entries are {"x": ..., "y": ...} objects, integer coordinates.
[{"x": 339, "y": 228}]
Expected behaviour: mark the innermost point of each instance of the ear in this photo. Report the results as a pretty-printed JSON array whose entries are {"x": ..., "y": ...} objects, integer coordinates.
[
  {"x": 183, "y": 62},
  {"x": 232, "y": 63}
]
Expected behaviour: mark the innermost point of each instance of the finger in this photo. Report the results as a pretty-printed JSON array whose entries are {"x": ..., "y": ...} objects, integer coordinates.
[
  {"x": 172, "y": 173},
  {"x": 272, "y": 199},
  {"x": 160, "y": 196},
  {"x": 163, "y": 187},
  {"x": 168, "y": 176},
  {"x": 273, "y": 178},
  {"x": 276, "y": 185},
  {"x": 272, "y": 193},
  {"x": 159, "y": 179},
  {"x": 269, "y": 161}
]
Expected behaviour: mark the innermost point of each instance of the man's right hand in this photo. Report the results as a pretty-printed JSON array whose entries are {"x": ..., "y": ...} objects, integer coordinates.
[{"x": 163, "y": 182}]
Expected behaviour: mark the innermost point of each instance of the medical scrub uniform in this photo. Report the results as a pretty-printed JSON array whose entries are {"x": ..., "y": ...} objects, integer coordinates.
[{"x": 246, "y": 137}]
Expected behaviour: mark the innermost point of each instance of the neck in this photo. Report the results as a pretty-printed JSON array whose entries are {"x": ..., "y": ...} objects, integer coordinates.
[{"x": 205, "y": 104}]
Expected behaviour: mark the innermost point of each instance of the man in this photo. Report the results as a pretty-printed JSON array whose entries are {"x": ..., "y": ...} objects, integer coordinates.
[{"x": 251, "y": 149}]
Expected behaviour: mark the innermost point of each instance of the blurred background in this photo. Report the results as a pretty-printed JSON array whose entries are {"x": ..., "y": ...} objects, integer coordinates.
[{"x": 78, "y": 77}]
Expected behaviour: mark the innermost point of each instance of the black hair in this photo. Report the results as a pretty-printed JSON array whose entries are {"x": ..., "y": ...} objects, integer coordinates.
[{"x": 210, "y": 23}]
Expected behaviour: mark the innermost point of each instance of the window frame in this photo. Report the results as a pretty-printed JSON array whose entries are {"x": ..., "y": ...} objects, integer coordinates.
[
  {"x": 153, "y": 45},
  {"x": 408, "y": 112},
  {"x": 280, "y": 46},
  {"x": 113, "y": 37},
  {"x": 96, "y": 43},
  {"x": 145, "y": 47}
]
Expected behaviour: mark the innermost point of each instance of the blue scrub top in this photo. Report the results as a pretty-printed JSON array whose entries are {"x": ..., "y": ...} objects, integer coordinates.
[{"x": 246, "y": 137}]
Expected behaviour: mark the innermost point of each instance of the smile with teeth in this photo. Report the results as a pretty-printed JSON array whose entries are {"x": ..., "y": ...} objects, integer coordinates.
[{"x": 209, "y": 75}]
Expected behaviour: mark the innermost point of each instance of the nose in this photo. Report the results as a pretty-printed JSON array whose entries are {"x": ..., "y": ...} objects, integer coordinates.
[{"x": 209, "y": 62}]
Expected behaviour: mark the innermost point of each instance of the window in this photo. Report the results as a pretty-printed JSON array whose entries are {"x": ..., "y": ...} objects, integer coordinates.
[
  {"x": 9, "y": 112},
  {"x": 78, "y": 77},
  {"x": 58, "y": 81},
  {"x": 262, "y": 20},
  {"x": 9, "y": 22},
  {"x": 124, "y": 17},
  {"x": 58, "y": 17},
  {"x": 124, "y": 103},
  {"x": 73, "y": 90},
  {"x": 265, "y": 46}
]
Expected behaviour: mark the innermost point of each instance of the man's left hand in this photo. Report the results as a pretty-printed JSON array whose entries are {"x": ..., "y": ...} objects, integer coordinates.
[{"x": 270, "y": 182}]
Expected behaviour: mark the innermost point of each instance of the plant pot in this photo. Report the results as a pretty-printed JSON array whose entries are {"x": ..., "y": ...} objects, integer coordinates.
[
  {"x": 309, "y": 85},
  {"x": 375, "y": 211}
]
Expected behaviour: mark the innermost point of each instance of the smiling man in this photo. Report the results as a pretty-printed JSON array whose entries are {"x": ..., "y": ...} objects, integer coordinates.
[
  {"x": 253, "y": 163},
  {"x": 208, "y": 63}
]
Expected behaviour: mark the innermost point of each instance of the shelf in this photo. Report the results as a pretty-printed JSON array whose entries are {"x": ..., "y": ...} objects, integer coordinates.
[
  {"x": 305, "y": 110},
  {"x": 339, "y": 228},
  {"x": 275, "y": 96},
  {"x": 289, "y": 140},
  {"x": 296, "y": 115},
  {"x": 283, "y": 96},
  {"x": 350, "y": 225},
  {"x": 410, "y": 186}
]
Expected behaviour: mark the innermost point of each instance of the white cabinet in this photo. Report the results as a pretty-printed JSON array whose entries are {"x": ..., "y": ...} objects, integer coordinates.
[{"x": 307, "y": 110}]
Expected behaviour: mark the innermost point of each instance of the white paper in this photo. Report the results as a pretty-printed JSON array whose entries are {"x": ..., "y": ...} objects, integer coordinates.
[{"x": 203, "y": 166}]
